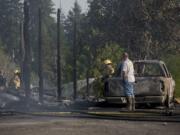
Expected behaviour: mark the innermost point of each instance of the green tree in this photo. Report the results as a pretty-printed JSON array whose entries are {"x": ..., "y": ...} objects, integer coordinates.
[
  {"x": 173, "y": 63},
  {"x": 10, "y": 18},
  {"x": 7, "y": 66},
  {"x": 93, "y": 47},
  {"x": 77, "y": 14},
  {"x": 109, "y": 51},
  {"x": 48, "y": 37},
  {"x": 146, "y": 29}
]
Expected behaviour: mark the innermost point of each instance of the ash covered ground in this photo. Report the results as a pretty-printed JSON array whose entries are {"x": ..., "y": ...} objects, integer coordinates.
[{"x": 33, "y": 118}]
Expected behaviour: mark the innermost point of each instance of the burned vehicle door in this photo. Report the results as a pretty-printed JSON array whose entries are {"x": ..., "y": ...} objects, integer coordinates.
[{"x": 169, "y": 86}]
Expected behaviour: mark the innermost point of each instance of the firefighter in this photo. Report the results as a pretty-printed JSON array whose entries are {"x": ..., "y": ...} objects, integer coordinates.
[
  {"x": 108, "y": 71},
  {"x": 100, "y": 86},
  {"x": 16, "y": 81}
]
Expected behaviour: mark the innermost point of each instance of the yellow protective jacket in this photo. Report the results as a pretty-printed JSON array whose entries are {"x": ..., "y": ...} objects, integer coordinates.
[
  {"x": 108, "y": 70},
  {"x": 17, "y": 82}
]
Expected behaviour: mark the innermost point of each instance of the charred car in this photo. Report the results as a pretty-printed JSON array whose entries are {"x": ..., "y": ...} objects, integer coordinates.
[{"x": 154, "y": 84}]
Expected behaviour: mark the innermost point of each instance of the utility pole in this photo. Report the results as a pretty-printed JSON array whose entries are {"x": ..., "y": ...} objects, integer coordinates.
[
  {"x": 75, "y": 54},
  {"x": 59, "y": 80},
  {"x": 40, "y": 54},
  {"x": 27, "y": 48}
]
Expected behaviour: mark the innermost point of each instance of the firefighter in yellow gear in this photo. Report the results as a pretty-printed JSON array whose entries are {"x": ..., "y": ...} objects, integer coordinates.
[
  {"x": 100, "y": 86},
  {"x": 16, "y": 81},
  {"x": 108, "y": 69}
]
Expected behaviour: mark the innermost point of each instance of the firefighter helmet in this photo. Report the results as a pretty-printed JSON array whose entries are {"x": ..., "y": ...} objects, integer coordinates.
[
  {"x": 107, "y": 61},
  {"x": 16, "y": 71}
]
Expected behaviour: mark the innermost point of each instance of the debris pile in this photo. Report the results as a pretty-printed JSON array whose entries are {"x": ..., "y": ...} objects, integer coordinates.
[{"x": 13, "y": 100}]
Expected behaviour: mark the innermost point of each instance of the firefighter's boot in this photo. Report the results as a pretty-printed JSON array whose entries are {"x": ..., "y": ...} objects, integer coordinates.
[
  {"x": 133, "y": 104},
  {"x": 129, "y": 103}
]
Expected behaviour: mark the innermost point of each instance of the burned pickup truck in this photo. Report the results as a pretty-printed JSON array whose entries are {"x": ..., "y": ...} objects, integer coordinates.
[{"x": 154, "y": 84}]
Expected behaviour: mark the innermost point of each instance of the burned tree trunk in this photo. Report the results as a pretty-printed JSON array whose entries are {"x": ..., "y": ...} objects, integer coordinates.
[
  {"x": 27, "y": 48},
  {"x": 21, "y": 53},
  {"x": 87, "y": 82},
  {"x": 59, "y": 81},
  {"x": 40, "y": 50},
  {"x": 75, "y": 57}
]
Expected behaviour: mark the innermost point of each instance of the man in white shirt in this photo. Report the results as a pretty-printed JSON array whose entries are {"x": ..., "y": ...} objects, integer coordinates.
[{"x": 128, "y": 81}]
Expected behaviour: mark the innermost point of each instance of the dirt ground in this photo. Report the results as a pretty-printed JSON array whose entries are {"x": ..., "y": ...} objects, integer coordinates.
[{"x": 73, "y": 126}]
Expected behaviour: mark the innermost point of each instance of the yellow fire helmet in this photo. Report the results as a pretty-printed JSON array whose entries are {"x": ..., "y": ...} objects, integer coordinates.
[
  {"x": 107, "y": 61},
  {"x": 16, "y": 71}
]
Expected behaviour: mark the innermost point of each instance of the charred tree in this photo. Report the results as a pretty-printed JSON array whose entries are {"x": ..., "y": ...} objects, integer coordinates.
[
  {"x": 75, "y": 56},
  {"x": 40, "y": 54},
  {"x": 21, "y": 53},
  {"x": 59, "y": 80},
  {"x": 87, "y": 82},
  {"x": 27, "y": 48}
]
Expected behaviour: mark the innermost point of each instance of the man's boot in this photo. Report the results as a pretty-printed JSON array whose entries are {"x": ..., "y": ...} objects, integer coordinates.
[
  {"x": 129, "y": 103},
  {"x": 133, "y": 104}
]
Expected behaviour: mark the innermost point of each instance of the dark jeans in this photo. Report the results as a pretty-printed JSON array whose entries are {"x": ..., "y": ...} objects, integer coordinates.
[{"x": 106, "y": 88}]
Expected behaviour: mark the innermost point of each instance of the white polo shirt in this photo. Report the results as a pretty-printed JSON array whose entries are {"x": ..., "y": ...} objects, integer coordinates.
[{"x": 128, "y": 68}]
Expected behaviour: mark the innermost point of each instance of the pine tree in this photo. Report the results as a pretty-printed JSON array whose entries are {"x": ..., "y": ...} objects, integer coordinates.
[{"x": 10, "y": 18}]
